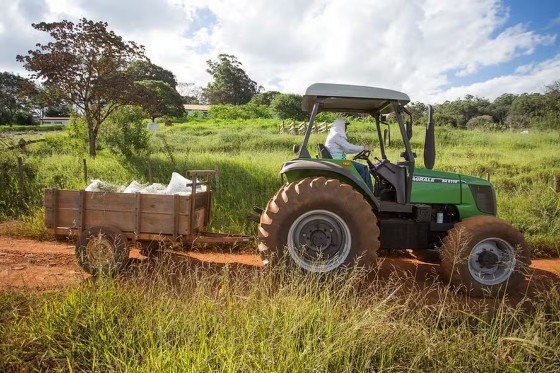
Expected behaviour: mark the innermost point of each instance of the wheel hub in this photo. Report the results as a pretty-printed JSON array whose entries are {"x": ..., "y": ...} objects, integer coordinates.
[
  {"x": 319, "y": 241},
  {"x": 488, "y": 259},
  {"x": 100, "y": 251},
  {"x": 492, "y": 261},
  {"x": 317, "y": 236}
]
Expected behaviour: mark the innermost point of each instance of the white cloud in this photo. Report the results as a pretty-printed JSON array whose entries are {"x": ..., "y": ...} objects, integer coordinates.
[
  {"x": 530, "y": 79},
  {"x": 418, "y": 46}
]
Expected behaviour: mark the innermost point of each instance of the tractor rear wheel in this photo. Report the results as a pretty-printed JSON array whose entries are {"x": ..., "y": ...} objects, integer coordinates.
[
  {"x": 102, "y": 250},
  {"x": 485, "y": 255},
  {"x": 319, "y": 224}
]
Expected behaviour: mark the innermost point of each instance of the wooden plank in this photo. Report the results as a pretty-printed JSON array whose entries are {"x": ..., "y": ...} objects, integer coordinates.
[
  {"x": 156, "y": 203},
  {"x": 201, "y": 199},
  {"x": 109, "y": 201},
  {"x": 66, "y": 217},
  {"x": 123, "y": 220},
  {"x": 208, "y": 209},
  {"x": 67, "y": 198},
  {"x": 81, "y": 211},
  {"x": 137, "y": 212},
  {"x": 199, "y": 219},
  {"x": 193, "y": 205},
  {"x": 47, "y": 197},
  {"x": 175, "y": 215},
  {"x": 164, "y": 224}
]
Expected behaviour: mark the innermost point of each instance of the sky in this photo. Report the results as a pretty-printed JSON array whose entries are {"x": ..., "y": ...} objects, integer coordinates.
[{"x": 433, "y": 50}]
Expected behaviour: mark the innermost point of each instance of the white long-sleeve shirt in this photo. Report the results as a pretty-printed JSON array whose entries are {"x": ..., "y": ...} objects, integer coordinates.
[{"x": 337, "y": 142}]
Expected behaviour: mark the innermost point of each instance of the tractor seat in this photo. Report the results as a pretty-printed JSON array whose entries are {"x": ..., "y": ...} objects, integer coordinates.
[{"x": 324, "y": 152}]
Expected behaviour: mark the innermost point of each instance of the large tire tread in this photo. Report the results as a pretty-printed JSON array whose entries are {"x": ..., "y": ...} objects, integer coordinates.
[
  {"x": 307, "y": 194},
  {"x": 459, "y": 242}
]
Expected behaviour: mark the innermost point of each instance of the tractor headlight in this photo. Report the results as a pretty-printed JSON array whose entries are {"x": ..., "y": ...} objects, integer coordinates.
[{"x": 485, "y": 198}]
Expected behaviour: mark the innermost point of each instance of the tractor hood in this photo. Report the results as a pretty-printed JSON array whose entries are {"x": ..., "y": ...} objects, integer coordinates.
[
  {"x": 439, "y": 187},
  {"x": 471, "y": 195}
]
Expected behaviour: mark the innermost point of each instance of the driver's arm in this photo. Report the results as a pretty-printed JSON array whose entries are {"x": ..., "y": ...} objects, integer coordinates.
[{"x": 348, "y": 147}]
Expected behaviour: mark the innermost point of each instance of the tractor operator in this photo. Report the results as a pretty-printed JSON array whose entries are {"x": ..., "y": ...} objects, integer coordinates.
[{"x": 338, "y": 145}]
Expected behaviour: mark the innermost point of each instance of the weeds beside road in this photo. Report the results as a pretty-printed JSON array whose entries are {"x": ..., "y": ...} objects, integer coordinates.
[{"x": 180, "y": 314}]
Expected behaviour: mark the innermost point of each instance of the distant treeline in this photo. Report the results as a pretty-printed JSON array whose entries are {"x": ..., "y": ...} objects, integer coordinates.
[{"x": 508, "y": 111}]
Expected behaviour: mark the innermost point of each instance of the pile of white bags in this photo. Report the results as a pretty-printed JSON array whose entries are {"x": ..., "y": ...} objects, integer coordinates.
[{"x": 177, "y": 185}]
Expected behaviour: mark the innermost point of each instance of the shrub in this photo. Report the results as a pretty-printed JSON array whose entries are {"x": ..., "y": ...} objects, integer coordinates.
[
  {"x": 124, "y": 131},
  {"x": 288, "y": 106},
  {"x": 546, "y": 123},
  {"x": 233, "y": 112},
  {"x": 483, "y": 121},
  {"x": 517, "y": 121},
  {"x": 77, "y": 134},
  {"x": 24, "y": 118}
]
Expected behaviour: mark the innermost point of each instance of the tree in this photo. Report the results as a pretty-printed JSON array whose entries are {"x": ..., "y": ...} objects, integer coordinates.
[
  {"x": 144, "y": 70},
  {"x": 231, "y": 83},
  {"x": 192, "y": 94},
  {"x": 529, "y": 104},
  {"x": 288, "y": 106},
  {"x": 11, "y": 97},
  {"x": 45, "y": 100},
  {"x": 87, "y": 65},
  {"x": 264, "y": 98},
  {"x": 501, "y": 106},
  {"x": 161, "y": 99},
  {"x": 418, "y": 110}
]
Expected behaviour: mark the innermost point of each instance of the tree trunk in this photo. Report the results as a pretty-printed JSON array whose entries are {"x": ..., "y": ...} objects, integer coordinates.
[{"x": 92, "y": 134}]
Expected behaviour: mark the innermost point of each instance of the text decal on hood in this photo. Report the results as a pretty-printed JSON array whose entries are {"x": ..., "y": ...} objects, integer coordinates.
[{"x": 435, "y": 180}]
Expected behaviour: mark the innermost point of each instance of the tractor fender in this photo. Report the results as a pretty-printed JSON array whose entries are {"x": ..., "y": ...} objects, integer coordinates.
[{"x": 330, "y": 170}]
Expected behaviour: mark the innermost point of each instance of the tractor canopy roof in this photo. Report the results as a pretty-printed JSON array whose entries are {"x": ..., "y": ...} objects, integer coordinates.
[{"x": 352, "y": 98}]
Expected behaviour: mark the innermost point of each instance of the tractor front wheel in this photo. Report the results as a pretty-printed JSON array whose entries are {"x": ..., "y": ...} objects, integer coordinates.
[
  {"x": 485, "y": 255},
  {"x": 320, "y": 224}
]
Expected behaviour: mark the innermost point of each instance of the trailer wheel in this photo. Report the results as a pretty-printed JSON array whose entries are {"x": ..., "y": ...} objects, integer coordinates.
[
  {"x": 319, "y": 224},
  {"x": 484, "y": 255},
  {"x": 102, "y": 250}
]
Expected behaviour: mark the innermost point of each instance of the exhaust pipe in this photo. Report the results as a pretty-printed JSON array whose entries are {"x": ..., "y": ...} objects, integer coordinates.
[{"x": 430, "y": 141}]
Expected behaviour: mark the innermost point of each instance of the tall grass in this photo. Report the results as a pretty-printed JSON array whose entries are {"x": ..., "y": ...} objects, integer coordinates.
[
  {"x": 249, "y": 155},
  {"x": 182, "y": 316}
]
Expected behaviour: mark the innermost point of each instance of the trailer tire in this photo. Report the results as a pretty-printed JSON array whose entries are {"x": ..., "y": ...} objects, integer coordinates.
[
  {"x": 102, "y": 250},
  {"x": 484, "y": 256},
  {"x": 319, "y": 224}
]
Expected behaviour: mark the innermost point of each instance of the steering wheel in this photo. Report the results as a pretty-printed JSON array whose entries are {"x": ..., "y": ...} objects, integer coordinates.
[{"x": 364, "y": 154}]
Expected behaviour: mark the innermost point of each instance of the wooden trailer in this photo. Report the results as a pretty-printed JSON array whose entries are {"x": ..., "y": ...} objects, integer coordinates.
[{"x": 106, "y": 223}]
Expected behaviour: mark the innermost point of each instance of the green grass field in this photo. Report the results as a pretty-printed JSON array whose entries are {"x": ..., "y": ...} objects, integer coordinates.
[
  {"x": 174, "y": 316},
  {"x": 171, "y": 316}
]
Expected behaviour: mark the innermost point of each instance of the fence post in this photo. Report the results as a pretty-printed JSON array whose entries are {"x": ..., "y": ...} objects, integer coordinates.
[
  {"x": 386, "y": 137},
  {"x": 85, "y": 171},
  {"x": 488, "y": 176},
  {"x": 20, "y": 178},
  {"x": 556, "y": 180}
]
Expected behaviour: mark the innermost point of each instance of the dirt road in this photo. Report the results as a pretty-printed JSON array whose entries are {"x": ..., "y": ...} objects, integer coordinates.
[{"x": 45, "y": 265}]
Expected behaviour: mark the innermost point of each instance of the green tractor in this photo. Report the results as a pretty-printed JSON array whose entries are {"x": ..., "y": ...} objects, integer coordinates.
[{"x": 325, "y": 217}]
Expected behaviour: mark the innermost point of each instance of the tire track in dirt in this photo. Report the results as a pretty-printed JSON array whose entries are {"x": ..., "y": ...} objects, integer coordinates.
[{"x": 50, "y": 264}]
